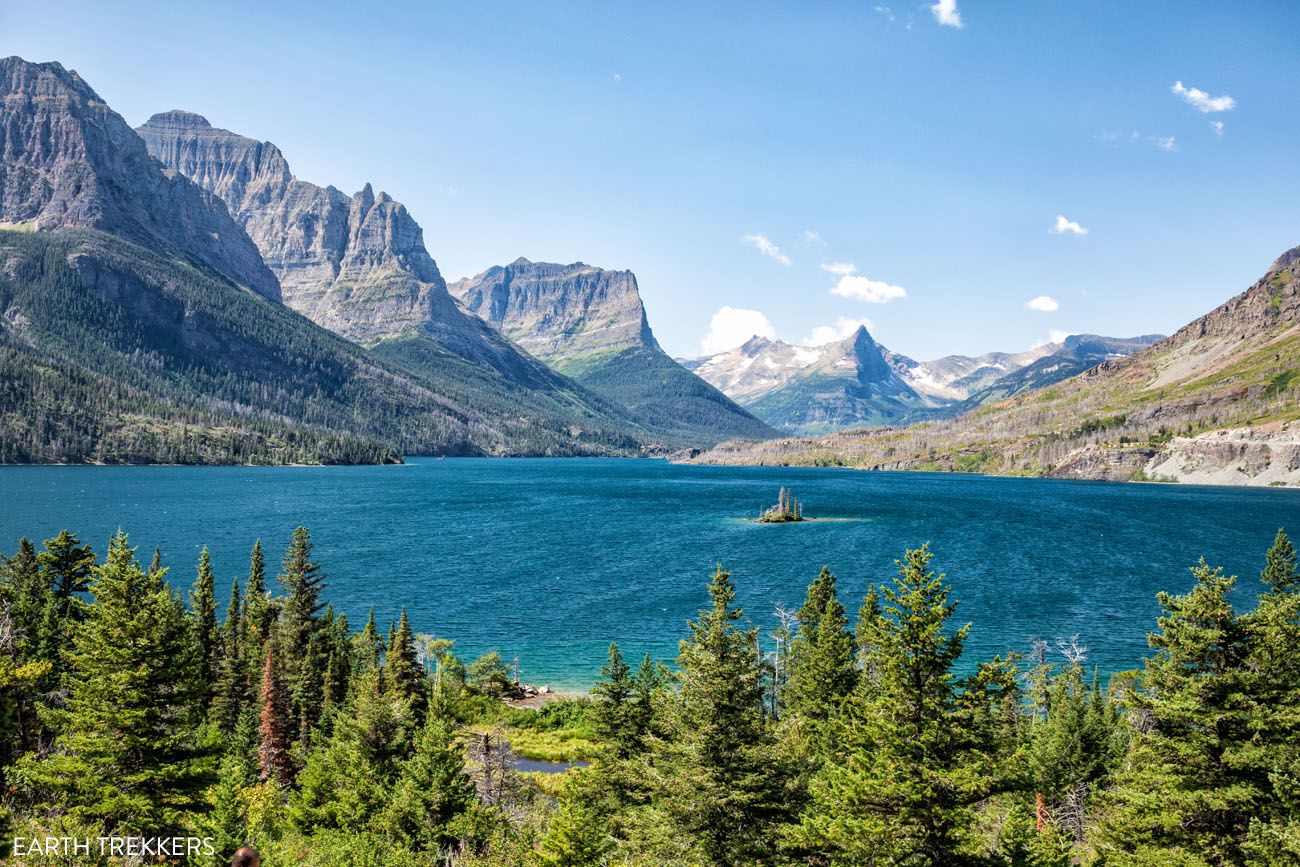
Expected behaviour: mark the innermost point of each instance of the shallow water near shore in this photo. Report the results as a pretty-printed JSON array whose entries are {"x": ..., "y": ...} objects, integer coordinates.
[{"x": 551, "y": 559}]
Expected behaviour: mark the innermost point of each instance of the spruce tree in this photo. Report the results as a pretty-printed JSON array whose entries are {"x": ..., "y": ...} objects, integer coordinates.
[
  {"x": 430, "y": 802},
  {"x": 67, "y": 566},
  {"x": 232, "y": 691},
  {"x": 715, "y": 776},
  {"x": 402, "y": 673},
  {"x": 204, "y": 602},
  {"x": 126, "y": 755},
  {"x": 302, "y": 583},
  {"x": 615, "y": 714},
  {"x": 914, "y": 751},
  {"x": 577, "y": 834},
  {"x": 822, "y": 672},
  {"x": 274, "y": 762},
  {"x": 1186, "y": 791}
]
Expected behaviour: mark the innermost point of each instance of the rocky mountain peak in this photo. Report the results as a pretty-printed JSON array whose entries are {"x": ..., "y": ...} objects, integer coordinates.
[
  {"x": 560, "y": 311},
  {"x": 69, "y": 161},
  {"x": 319, "y": 240}
]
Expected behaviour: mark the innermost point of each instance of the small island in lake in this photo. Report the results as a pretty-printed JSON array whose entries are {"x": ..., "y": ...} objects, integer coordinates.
[{"x": 787, "y": 510}]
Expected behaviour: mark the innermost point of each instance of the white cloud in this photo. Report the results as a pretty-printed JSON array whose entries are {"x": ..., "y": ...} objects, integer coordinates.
[
  {"x": 1202, "y": 101},
  {"x": 1217, "y": 126},
  {"x": 945, "y": 12},
  {"x": 861, "y": 288},
  {"x": 839, "y": 269},
  {"x": 843, "y": 327},
  {"x": 732, "y": 326},
  {"x": 618, "y": 76},
  {"x": 766, "y": 247},
  {"x": 1056, "y": 336},
  {"x": 813, "y": 238},
  {"x": 884, "y": 10},
  {"x": 1164, "y": 142},
  {"x": 1043, "y": 304},
  {"x": 1064, "y": 226}
]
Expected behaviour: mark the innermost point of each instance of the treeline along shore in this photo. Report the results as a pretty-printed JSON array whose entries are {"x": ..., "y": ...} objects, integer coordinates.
[{"x": 128, "y": 710}]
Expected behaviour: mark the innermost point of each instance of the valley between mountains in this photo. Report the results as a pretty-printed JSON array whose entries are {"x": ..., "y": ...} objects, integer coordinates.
[{"x": 175, "y": 294}]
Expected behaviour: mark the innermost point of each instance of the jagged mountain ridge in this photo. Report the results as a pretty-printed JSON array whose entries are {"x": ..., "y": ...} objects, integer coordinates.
[
  {"x": 127, "y": 334},
  {"x": 69, "y": 161},
  {"x": 590, "y": 323},
  {"x": 354, "y": 264},
  {"x": 856, "y": 381},
  {"x": 1216, "y": 402}
]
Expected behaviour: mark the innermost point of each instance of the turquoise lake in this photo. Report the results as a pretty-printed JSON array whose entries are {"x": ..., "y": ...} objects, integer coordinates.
[{"x": 550, "y": 560}]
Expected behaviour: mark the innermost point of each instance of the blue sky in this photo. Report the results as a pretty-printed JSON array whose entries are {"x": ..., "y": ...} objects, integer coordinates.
[{"x": 683, "y": 142}]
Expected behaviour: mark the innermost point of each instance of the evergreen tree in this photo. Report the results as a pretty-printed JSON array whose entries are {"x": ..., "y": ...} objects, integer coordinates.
[
  {"x": 368, "y": 646},
  {"x": 155, "y": 563},
  {"x": 257, "y": 603},
  {"x": 866, "y": 637},
  {"x": 67, "y": 567},
  {"x": 615, "y": 714},
  {"x": 577, "y": 834},
  {"x": 227, "y": 822},
  {"x": 230, "y": 693},
  {"x": 1272, "y": 682},
  {"x": 914, "y": 753},
  {"x": 126, "y": 756},
  {"x": 273, "y": 749},
  {"x": 429, "y": 804},
  {"x": 714, "y": 774},
  {"x": 651, "y": 678},
  {"x": 1183, "y": 792},
  {"x": 346, "y": 780},
  {"x": 403, "y": 675},
  {"x": 204, "y": 602},
  {"x": 308, "y": 695},
  {"x": 822, "y": 672},
  {"x": 302, "y": 583}
]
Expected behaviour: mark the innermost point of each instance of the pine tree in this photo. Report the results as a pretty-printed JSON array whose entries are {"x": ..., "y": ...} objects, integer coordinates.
[
  {"x": 204, "y": 602},
  {"x": 368, "y": 646},
  {"x": 615, "y": 715},
  {"x": 822, "y": 674},
  {"x": 302, "y": 583},
  {"x": 308, "y": 694},
  {"x": 402, "y": 673},
  {"x": 914, "y": 753},
  {"x": 273, "y": 750},
  {"x": 66, "y": 565},
  {"x": 230, "y": 693},
  {"x": 127, "y": 757},
  {"x": 577, "y": 834},
  {"x": 227, "y": 822},
  {"x": 1182, "y": 792},
  {"x": 714, "y": 774},
  {"x": 866, "y": 637},
  {"x": 155, "y": 563},
  {"x": 429, "y": 804}
]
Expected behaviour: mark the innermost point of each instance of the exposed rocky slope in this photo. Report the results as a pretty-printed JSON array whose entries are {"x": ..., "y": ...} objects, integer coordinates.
[
  {"x": 69, "y": 161},
  {"x": 354, "y": 264},
  {"x": 1199, "y": 405},
  {"x": 138, "y": 324},
  {"x": 589, "y": 323}
]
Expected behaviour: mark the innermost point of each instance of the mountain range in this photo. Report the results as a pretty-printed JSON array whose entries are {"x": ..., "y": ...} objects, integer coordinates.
[
  {"x": 176, "y": 294},
  {"x": 1216, "y": 402},
  {"x": 856, "y": 382},
  {"x": 590, "y": 324}
]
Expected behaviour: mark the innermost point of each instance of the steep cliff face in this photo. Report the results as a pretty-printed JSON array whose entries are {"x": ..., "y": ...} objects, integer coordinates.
[
  {"x": 69, "y": 161},
  {"x": 590, "y": 323},
  {"x": 566, "y": 315},
  {"x": 354, "y": 264}
]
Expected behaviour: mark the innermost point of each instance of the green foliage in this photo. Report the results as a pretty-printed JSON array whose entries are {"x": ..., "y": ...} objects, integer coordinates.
[
  {"x": 914, "y": 751},
  {"x": 489, "y": 674},
  {"x": 126, "y": 756}
]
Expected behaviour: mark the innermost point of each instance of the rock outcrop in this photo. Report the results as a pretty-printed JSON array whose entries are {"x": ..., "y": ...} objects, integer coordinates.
[
  {"x": 564, "y": 314},
  {"x": 67, "y": 160},
  {"x": 589, "y": 323}
]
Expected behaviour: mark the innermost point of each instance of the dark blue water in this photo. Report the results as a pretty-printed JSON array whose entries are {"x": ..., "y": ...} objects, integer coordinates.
[{"x": 550, "y": 560}]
